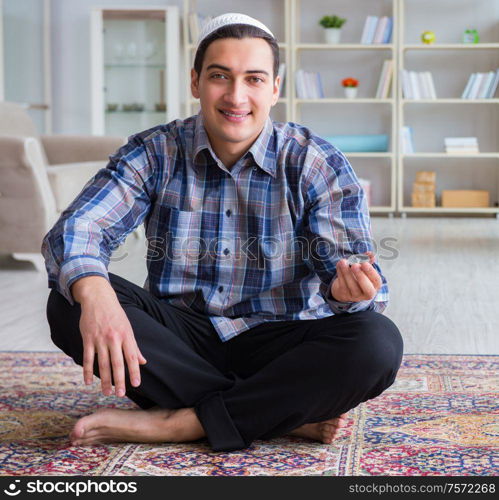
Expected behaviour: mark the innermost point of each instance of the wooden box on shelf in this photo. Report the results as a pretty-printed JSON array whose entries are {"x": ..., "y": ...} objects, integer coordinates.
[
  {"x": 423, "y": 190},
  {"x": 465, "y": 198}
]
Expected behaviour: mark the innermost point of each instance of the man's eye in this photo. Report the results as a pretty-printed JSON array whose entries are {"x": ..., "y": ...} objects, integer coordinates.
[
  {"x": 257, "y": 79},
  {"x": 217, "y": 75}
]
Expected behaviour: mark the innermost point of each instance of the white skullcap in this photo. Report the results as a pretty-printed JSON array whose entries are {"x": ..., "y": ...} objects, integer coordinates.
[{"x": 230, "y": 18}]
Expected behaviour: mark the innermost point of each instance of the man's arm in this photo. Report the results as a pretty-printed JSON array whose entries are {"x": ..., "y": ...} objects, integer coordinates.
[
  {"x": 338, "y": 224},
  {"x": 77, "y": 251},
  {"x": 110, "y": 206}
]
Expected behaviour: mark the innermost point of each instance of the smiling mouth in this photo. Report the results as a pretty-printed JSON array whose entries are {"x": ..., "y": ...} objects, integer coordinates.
[{"x": 234, "y": 115}]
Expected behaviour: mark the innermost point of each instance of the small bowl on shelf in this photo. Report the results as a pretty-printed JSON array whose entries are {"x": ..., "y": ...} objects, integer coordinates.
[{"x": 111, "y": 107}]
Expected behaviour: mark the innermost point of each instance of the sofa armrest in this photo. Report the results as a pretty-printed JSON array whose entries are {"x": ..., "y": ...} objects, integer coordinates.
[
  {"x": 79, "y": 148},
  {"x": 27, "y": 204}
]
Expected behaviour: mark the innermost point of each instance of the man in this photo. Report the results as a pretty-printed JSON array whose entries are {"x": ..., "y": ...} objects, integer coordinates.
[{"x": 260, "y": 328}]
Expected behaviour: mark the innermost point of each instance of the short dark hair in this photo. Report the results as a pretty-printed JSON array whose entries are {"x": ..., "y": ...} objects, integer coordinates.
[{"x": 238, "y": 31}]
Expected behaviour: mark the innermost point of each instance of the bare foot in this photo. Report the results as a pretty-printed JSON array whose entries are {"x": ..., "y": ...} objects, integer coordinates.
[
  {"x": 324, "y": 431},
  {"x": 137, "y": 426}
]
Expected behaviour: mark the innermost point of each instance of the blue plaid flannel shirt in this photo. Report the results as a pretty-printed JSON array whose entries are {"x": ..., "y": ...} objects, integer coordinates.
[{"x": 257, "y": 242}]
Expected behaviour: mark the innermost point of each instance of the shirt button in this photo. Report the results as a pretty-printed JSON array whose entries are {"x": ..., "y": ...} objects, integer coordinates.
[
  {"x": 228, "y": 212},
  {"x": 220, "y": 289},
  {"x": 255, "y": 169},
  {"x": 226, "y": 251}
]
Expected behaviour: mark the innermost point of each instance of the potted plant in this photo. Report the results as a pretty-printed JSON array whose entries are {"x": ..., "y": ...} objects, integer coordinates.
[
  {"x": 332, "y": 28},
  {"x": 350, "y": 85}
]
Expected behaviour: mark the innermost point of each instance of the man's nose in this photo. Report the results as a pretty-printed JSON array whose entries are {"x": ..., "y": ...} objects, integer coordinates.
[{"x": 236, "y": 93}]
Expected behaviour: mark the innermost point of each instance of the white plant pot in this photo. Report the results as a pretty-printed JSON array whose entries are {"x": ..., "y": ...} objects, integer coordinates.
[
  {"x": 332, "y": 35},
  {"x": 350, "y": 92}
]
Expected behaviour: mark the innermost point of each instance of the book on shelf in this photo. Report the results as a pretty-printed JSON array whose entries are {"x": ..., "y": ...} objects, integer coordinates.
[
  {"x": 407, "y": 140},
  {"x": 481, "y": 85},
  {"x": 418, "y": 85},
  {"x": 196, "y": 22},
  {"x": 461, "y": 145},
  {"x": 308, "y": 85},
  {"x": 385, "y": 80},
  {"x": 377, "y": 30}
]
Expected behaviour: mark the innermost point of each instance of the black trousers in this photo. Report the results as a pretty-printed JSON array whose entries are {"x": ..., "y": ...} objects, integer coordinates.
[{"x": 260, "y": 384}]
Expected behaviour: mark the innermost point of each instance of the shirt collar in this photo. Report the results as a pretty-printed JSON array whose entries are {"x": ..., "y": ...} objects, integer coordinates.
[{"x": 262, "y": 150}]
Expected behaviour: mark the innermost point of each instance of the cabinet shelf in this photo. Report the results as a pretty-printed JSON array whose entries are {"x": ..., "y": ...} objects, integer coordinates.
[
  {"x": 342, "y": 100},
  {"x": 451, "y": 155},
  {"x": 146, "y": 112},
  {"x": 450, "y": 101},
  {"x": 452, "y": 46},
  {"x": 192, "y": 46},
  {"x": 344, "y": 46},
  {"x": 134, "y": 65},
  {"x": 449, "y": 210}
]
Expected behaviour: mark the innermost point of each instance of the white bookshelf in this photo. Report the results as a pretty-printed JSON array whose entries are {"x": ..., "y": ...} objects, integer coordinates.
[
  {"x": 295, "y": 24},
  {"x": 451, "y": 63}
]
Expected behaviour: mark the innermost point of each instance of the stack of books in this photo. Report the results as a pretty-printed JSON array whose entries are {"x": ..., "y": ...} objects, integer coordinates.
[
  {"x": 196, "y": 22},
  {"x": 385, "y": 80},
  {"x": 407, "y": 140},
  {"x": 423, "y": 190},
  {"x": 481, "y": 85},
  {"x": 461, "y": 145},
  {"x": 377, "y": 30},
  {"x": 418, "y": 85},
  {"x": 308, "y": 85}
]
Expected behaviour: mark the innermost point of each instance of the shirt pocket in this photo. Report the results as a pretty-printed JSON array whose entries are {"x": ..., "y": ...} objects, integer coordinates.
[{"x": 183, "y": 242}]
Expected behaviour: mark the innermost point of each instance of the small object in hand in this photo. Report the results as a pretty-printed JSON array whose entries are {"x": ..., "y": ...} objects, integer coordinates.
[{"x": 357, "y": 258}]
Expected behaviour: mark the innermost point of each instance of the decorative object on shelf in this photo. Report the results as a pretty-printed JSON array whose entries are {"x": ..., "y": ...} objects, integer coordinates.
[
  {"x": 428, "y": 37},
  {"x": 110, "y": 107},
  {"x": 481, "y": 85},
  {"x": 350, "y": 85},
  {"x": 332, "y": 28},
  {"x": 367, "y": 143},
  {"x": 465, "y": 198},
  {"x": 377, "y": 30},
  {"x": 461, "y": 145},
  {"x": 134, "y": 106},
  {"x": 161, "y": 105},
  {"x": 423, "y": 190},
  {"x": 131, "y": 51},
  {"x": 471, "y": 36}
]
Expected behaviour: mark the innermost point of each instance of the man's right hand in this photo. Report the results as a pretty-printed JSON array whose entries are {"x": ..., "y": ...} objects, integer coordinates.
[{"x": 107, "y": 333}]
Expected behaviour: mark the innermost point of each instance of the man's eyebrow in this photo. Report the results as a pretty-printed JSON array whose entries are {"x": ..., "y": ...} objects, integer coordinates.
[{"x": 225, "y": 68}]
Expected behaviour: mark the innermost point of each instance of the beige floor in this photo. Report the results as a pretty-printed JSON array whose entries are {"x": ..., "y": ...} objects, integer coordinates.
[{"x": 443, "y": 275}]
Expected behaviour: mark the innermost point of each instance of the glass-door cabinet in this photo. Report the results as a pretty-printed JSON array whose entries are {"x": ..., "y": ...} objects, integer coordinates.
[{"x": 135, "y": 70}]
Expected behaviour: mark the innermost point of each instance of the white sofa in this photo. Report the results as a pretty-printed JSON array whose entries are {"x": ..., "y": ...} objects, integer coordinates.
[{"x": 39, "y": 177}]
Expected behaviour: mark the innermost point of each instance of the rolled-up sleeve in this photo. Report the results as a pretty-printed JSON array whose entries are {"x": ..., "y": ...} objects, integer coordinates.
[
  {"x": 337, "y": 226},
  {"x": 110, "y": 206}
]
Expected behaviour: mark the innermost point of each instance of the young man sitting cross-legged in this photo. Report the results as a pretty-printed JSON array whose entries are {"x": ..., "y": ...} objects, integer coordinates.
[{"x": 251, "y": 324}]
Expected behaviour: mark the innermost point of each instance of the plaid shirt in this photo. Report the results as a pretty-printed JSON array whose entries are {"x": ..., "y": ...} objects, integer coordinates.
[{"x": 257, "y": 242}]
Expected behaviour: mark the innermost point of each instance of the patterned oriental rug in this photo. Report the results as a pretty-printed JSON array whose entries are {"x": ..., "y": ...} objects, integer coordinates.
[{"x": 439, "y": 418}]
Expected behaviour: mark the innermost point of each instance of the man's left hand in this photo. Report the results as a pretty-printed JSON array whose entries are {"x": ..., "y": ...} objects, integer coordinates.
[{"x": 356, "y": 283}]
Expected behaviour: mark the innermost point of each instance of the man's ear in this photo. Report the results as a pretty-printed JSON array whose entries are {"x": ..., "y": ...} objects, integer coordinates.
[
  {"x": 277, "y": 90},
  {"x": 194, "y": 84}
]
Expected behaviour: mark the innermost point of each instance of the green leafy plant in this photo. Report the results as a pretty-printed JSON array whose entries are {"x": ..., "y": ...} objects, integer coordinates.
[{"x": 332, "y": 22}]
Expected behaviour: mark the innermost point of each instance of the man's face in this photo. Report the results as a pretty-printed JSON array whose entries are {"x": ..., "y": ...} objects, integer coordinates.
[{"x": 236, "y": 90}]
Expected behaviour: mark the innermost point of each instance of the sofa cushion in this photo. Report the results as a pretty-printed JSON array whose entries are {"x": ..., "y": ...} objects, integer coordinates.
[{"x": 68, "y": 179}]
